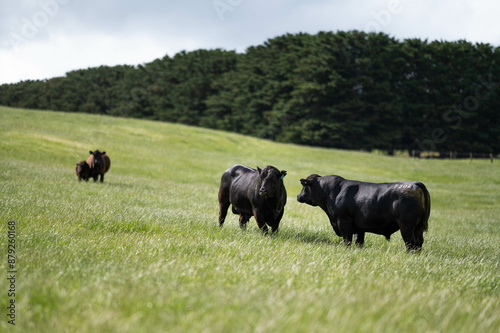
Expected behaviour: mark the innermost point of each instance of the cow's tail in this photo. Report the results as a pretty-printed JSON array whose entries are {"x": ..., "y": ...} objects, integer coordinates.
[
  {"x": 224, "y": 201},
  {"x": 426, "y": 204},
  {"x": 225, "y": 184}
]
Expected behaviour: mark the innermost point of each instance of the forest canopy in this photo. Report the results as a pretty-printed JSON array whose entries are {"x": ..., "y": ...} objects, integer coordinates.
[{"x": 351, "y": 90}]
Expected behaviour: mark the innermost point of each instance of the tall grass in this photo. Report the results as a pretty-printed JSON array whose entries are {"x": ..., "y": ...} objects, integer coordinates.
[{"x": 142, "y": 252}]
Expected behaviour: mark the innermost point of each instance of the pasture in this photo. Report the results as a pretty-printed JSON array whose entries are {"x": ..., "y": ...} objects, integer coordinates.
[{"x": 142, "y": 252}]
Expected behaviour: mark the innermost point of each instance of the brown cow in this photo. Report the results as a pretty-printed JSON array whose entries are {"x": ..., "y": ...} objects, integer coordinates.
[
  {"x": 99, "y": 164},
  {"x": 82, "y": 171}
]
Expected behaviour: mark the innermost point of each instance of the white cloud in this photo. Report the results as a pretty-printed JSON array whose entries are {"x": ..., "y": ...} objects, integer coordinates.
[
  {"x": 82, "y": 34},
  {"x": 46, "y": 59},
  {"x": 484, "y": 24}
]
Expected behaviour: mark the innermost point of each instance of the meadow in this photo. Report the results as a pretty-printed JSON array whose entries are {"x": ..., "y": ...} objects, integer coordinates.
[{"x": 143, "y": 252}]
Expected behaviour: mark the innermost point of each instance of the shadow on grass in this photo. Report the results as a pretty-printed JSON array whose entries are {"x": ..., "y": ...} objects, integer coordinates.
[
  {"x": 285, "y": 234},
  {"x": 311, "y": 237}
]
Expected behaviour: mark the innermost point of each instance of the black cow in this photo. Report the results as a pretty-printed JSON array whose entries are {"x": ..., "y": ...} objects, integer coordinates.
[
  {"x": 260, "y": 193},
  {"x": 355, "y": 207}
]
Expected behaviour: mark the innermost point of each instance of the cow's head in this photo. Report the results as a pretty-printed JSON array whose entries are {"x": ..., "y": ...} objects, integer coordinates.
[
  {"x": 271, "y": 180},
  {"x": 97, "y": 161},
  {"x": 307, "y": 195}
]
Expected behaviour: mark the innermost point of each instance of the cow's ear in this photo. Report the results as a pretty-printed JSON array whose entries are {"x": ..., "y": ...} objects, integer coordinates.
[
  {"x": 304, "y": 182},
  {"x": 91, "y": 152},
  {"x": 259, "y": 170},
  {"x": 283, "y": 174},
  {"x": 103, "y": 153}
]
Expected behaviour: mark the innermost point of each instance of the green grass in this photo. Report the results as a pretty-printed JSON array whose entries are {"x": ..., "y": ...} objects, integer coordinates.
[{"x": 143, "y": 252}]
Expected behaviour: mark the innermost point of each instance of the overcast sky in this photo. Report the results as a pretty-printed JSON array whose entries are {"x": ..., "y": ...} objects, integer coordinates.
[{"x": 41, "y": 39}]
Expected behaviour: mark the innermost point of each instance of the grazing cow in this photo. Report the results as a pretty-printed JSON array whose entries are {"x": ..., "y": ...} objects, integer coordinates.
[
  {"x": 259, "y": 193},
  {"x": 99, "y": 164},
  {"x": 82, "y": 171},
  {"x": 355, "y": 207}
]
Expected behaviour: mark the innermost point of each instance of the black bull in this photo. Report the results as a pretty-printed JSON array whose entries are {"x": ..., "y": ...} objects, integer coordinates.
[
  {"x": 258, "y": 193},
  {"x": 355, "y": 207}
]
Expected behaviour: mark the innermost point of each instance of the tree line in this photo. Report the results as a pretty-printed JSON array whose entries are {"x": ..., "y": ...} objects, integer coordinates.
[{"x": 351, "y": 90}]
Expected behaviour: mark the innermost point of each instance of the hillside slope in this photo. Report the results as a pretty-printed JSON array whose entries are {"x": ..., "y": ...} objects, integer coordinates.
[{"x": 143, "y": 253}]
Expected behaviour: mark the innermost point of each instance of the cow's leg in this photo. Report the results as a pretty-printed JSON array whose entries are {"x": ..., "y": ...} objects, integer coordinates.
[
  {"x": 102, "y": 177},
  {"x": 419, "y": 236},
  {"x": 335, "y": 226},
  {"x": 243, "y": 221},
  {"x": 409, "y": 237},
  {"x": 359, "y": 239},
  {"x": 277, "y": 222},
  {"x": 261, "y": 221},
  {"x": 419, "y": 241},
  {"x": 347, "y": 230}
]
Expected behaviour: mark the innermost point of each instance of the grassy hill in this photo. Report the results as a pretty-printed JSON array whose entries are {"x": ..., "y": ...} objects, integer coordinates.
[{"x": 143, "y": 252}]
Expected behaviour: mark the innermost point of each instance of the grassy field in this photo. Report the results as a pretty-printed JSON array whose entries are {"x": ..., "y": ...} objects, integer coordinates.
[{"x": 143, "y": 252}]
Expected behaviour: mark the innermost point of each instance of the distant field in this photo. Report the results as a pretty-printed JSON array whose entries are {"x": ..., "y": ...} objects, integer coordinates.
[{"x": 143, "y": 252}]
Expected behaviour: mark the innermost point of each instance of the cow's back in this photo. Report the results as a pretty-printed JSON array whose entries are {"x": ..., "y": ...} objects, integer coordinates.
[
  {"x": 241, "y": 171},
  {"x": 242, "y": 179},
  {"x": 383, "y": 197},
  {"x": 408, "y": 197},
  {"x": 238, "y": 182},
  {"x": 377, "y": 207},
  {"x": 90, "y": 161},
  {"x": 379, "y": 193},
  {"x": 237, "y": 175}
]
